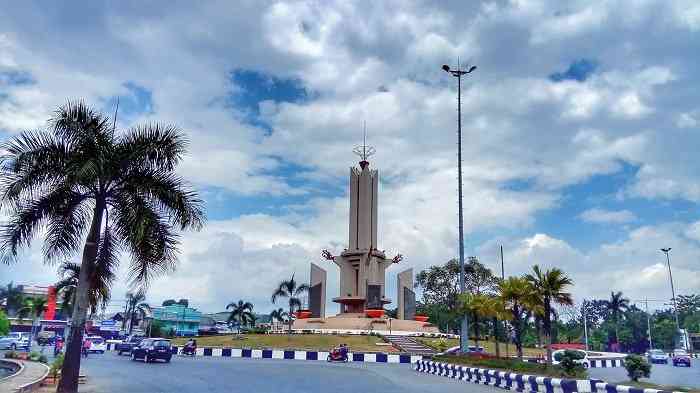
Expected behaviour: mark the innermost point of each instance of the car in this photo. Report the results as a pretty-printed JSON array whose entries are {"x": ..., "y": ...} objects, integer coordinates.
[
  {"x": 680, "y": 357},
  {"x": 152, "y": 349},
  {"x": 657, "y": 356},
  {"x": 14, "y": 340},
  {"x": 129, "y": 344},
  {"x": 582, "y": 357},
  {"x": 97, "y": 344}
]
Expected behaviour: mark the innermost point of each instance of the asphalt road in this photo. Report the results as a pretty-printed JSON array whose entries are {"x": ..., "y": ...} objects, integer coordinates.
[
  {"x": 663, "y": 374},
  {"x": 112, "y": 373}
]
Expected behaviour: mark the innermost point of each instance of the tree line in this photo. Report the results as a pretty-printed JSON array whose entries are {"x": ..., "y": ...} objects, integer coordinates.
[{"x": 537, "y": 309}]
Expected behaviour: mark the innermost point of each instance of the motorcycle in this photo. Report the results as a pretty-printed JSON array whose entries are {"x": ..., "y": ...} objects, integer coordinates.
[
  {"x": 188, "y": 351},
  {"x": 338, "y": 355}
]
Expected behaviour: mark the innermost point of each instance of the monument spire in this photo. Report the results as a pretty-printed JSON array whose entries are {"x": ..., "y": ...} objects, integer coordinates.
[{"x": 364, "y": 151}]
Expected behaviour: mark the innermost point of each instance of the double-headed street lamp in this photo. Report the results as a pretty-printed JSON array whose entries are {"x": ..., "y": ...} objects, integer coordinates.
[
  {"x": 458, "y": 73},
  {"x": 673, "y": 291}
]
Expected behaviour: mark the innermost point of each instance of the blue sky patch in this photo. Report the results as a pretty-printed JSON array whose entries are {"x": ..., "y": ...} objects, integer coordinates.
[
  {"x": 579, "y": 71},
  {"x": 254, "y": 87},
  {"x": 138, "y": 101},
  {"x": 16, "y": 78}
]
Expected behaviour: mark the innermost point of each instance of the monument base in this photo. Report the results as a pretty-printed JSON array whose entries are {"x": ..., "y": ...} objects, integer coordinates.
[{"x": 355, "y": 323}]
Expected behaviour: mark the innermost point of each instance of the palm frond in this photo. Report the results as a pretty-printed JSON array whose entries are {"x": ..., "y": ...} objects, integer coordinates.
[{"x": 153, "y": 145}]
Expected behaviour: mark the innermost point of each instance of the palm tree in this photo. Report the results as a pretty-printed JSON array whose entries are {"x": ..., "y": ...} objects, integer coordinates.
[
  {"x": 133, "y": 301},
  {"x": 550, "y": 286},
  {"x": 278, "y": 315},
  {"x": 241, "y": 313},
  {"x": 13, "y": 298},
  {"x": 290, "y": 289},
  {"x": 33, "y": 307},
  {"x": 85, "y": 186},
  {"x": 479, "y": 306},
  {"x": 616, "y": 306},
  {"x": 99, "y": 286},
  {"x": 519, "y": 300}
]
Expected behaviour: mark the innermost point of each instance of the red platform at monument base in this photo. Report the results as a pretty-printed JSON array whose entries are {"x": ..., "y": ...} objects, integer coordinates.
[{"x": 568, "y": 346}]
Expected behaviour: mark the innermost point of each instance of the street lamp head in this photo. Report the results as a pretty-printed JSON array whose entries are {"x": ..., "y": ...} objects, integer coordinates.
[
  {"x": 446, "y": 68},
  {"x": 472, "y": 68},
  {"x": 666, "y": 249}
]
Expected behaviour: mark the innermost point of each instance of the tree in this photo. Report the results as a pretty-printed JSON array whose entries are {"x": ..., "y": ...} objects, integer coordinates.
[
  {"x": 616, "y": 306},
  {"x": 550, "y": 286},
  {"x": 241, "y": 313},
  {"x": 84, "y": 186},
  {"x": 289, "y": 289},
  {"x": 13, "y": 298},
  {"x": 519, "y": 299},
  {"x": 184, "y": 302},
  {"x": 169, "y": 302},
  {"x": 4, "y": 324},
  {"x": 32, "y": 307},
  {"x": 133, "y": 300},
  {"x": 98, "y": 296},
  {"x": 279, "y": 315}
]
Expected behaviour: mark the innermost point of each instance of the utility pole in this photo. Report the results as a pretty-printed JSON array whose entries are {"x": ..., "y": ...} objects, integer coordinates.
[
  {"x": 673, "y": 291},
  {"x": 585, "y": 322},
  {"x": 458, "y": 73},
  {"x": 646, "y": 306}
]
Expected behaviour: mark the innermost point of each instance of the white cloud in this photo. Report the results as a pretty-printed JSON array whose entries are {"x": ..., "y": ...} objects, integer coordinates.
[{"x": 601, "y": 216}]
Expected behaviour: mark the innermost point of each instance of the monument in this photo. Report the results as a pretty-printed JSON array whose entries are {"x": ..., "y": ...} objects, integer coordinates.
[{"x": 362, "y": 267}]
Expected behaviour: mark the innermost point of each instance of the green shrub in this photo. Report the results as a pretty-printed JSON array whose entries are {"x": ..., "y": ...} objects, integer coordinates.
[
  {"x": 637, "y": 367},
  {"x": 57, "y": 365},
  {"x": 10, "y": 355},
  {"x": 568, "y": 363},
  {"x": 34, "y": 356},
  {"x": 43, "y": 359}
]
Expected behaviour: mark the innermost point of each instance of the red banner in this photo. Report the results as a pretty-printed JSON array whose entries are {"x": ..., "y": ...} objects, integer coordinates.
[{"x": 50, "y": 313}]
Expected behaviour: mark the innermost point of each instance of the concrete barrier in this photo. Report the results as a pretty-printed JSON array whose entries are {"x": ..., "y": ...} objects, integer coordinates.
[{"x": 523, "y": 382}]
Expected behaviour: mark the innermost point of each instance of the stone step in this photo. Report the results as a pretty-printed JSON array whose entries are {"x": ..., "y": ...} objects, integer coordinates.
[{"x": 408, "y": 344}]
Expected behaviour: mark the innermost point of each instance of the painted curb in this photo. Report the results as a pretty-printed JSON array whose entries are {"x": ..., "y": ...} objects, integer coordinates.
[
  {"x": 15, "y": 362},
  {"x": 289, "y": 354},
  {"x": 523, "y": 382},
  {"x": 35, "y": 384}
]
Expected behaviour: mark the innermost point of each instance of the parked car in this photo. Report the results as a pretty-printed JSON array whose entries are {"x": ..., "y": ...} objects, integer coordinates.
[
  {"x": 97, "y": 344},
  {"x": 680, "y": 357},
  {"x": 151, "y": 349},
  {"x": 129, "y": 344},
  {"x": 46, "y": 338},
  {"x": 583, "y": 355},
  {"x": 658, "y": 356},
  {"x": 14, "y": 341}
]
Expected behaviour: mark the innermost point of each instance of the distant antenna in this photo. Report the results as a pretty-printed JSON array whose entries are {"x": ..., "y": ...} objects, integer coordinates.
[
  {"x": 116, "y": 110},
  {"x": 364, "y": 151}
]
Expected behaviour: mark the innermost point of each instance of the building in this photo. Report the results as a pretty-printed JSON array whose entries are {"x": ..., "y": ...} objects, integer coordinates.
[{"x": 184, "y": 321}]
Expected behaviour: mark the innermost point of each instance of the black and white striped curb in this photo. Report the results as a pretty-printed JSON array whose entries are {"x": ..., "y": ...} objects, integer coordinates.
[
  {"x": 297, "y": 355},
  {"x": 523, "y": 382},
  {"x": 604, "y": 363}
]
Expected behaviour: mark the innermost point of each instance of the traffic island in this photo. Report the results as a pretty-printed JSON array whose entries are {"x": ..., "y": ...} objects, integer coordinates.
[{"x": 524, "y": 382}]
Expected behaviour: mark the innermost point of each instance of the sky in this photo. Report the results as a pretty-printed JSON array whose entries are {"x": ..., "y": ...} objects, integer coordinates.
[{"x": 581, "y": 127}]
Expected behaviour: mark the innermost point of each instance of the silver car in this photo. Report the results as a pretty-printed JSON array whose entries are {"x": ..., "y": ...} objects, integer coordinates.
[
  {"x": 13, "y": 341},
  {"x": 658, "y": 356}
]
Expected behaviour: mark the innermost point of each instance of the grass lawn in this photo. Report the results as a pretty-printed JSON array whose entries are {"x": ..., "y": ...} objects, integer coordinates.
[
  {"x": 321, "y": 342},
  {"x": 489, "y": 346},
  {"x": 647, "y": 385}
]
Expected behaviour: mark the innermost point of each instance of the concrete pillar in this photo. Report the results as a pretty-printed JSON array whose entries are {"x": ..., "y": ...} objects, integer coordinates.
[
  {"x": 354, "y": 200},
  {"x": 403, "y": 280},
  {"x": 317, "y": 292}
]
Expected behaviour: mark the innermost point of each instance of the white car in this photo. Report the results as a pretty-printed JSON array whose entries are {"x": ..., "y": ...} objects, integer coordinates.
[
  {"x": 14, "y": 340},
  {"x": 97, "y": 344},
  {"x": 657, "y": 356},
  {"x": 557, "y": 355}
]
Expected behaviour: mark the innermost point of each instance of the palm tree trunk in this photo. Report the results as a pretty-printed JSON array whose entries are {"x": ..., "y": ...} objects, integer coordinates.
[
  {"x": 495, "y": 337},
  {"x": 289, "y": 331},
  {"x": 71, "y": 364},
  {"x": 476, "y": 330}
]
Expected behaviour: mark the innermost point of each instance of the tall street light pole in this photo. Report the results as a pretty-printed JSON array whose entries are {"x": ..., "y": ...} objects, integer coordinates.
[
  {"x": 673, "y": 291},
  {"x": 458, "y": 73}
]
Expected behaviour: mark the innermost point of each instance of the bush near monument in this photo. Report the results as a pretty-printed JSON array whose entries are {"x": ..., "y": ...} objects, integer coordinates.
[
  {"x": 637, "y": 367},
  {"x": 490, "y": 362}
]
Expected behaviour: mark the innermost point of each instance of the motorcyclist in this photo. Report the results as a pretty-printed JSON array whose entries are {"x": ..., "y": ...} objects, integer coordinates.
[{"x": 190, "y": 347}]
